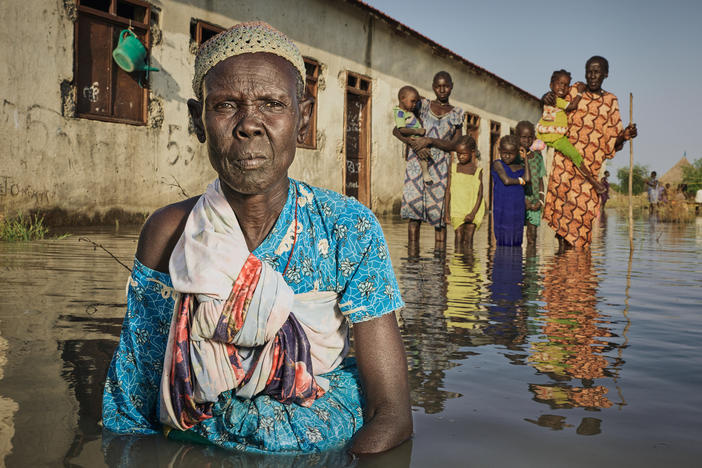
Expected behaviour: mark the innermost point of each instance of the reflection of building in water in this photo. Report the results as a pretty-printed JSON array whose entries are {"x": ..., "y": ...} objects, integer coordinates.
[{"x": 572, "y": 347}]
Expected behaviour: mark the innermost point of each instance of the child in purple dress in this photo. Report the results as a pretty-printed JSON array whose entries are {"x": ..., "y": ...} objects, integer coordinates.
[{"x": 510, "y": 175}]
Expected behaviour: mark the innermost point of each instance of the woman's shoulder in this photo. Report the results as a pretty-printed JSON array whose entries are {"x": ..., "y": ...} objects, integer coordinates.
[{"x": 161, "y": 232}]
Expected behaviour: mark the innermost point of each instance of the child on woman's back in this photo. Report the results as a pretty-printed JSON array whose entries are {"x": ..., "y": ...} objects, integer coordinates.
[
  {"x": 409, "y": 125},
  {"x": 553, "y": 125},
  {"x": 510, "y": 175},
  {"x": 465, "y": 195}
]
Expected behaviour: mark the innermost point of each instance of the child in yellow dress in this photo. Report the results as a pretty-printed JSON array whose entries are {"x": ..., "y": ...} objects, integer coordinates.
[{"x": 465, "y": 195}]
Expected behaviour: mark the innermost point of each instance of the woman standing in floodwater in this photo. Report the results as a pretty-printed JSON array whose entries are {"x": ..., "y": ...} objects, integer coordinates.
[
  {"x": 236, "y": 332},
  {"x": 595, "y": 129},
  {"x": 424, "y": 202}
]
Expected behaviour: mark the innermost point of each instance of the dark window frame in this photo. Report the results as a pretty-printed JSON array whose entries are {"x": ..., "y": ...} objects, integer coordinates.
[
  {"x": 312, "y": 69},
  {"x": 360, "y": 85},
  {"x": 112, "y": 20},
  {"x": 200, "y": 28},
  {"x": 472, "y": 125}
]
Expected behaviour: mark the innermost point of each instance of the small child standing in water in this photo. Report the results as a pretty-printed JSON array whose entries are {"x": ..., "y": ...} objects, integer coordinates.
[
  {"x": 409, "y": 125},
  {"x": 510, "y": 176},
  {"x": 464, "y": 198},
  {"x": 553, "y": 125},
  {"x": 534, "y": 199}
]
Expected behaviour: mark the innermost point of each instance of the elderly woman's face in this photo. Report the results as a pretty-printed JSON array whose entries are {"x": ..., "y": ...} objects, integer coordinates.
[
  {"x": 251, "y": 120},
  {"x": 594, "y": 75}
]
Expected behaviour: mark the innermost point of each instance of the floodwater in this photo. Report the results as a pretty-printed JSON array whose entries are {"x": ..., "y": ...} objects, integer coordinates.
[{"x": 515, "y": 358}]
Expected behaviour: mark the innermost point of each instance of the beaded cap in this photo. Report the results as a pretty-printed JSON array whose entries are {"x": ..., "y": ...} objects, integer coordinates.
[{"x": 244, "y": 38}]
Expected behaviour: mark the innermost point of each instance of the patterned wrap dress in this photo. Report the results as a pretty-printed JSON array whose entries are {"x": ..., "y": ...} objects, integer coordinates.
[
  {"x": 340, "y": 247},
  {"x": 508, "y": 209},
  {"x": 425, "y": 202},
  {"x": 572, "y": 204}
]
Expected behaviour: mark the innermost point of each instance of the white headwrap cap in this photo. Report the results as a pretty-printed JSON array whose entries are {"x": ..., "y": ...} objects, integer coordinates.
[{"x": 245, "y": 38}]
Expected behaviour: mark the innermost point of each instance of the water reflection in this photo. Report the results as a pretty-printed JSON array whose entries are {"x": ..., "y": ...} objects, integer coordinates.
[
  {"x": 507, "y": 324},
  {"x": 466, "y": 313},
  {"x": 574, "y": 337},
  {"x": 469, "y": 316},
  {"x": 423, "y": 286}
]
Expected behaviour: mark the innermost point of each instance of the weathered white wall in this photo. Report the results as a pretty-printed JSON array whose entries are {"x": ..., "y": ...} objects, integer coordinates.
[{"x": 89, "y": 166}]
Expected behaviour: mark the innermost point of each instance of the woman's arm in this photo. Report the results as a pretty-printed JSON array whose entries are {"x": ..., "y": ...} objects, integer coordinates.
[
  {"x": 447, "y": 144},
  {"x": 408, "y": 131},
  {"x": 447, "y": 197},
  {"x": 507, "y": 180},
  {"x": 527, "y": 171},
  {"x": 580, "y": 89},
  {"x": 416, "y": 143},
  {"x": 548, "y": 99},
  {"x": 382, "y": 364},
  {"x": 628, "y": 133}
]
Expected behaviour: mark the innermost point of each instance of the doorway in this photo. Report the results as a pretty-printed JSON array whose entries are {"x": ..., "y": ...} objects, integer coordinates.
[{"x": 357, "y": 138}]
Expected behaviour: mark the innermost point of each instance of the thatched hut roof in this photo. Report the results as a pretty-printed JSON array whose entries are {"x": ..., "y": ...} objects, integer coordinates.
[{"x": 675, "y": 175}]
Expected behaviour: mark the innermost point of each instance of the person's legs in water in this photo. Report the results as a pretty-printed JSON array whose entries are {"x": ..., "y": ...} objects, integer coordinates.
[
  {"x": 531, "y": 234},
  {"x": 563, "y": 244},
  {"x": 469, "y": 232},
  {"x": 440, "y": 239},
  {"x": 459, "y": 237}
]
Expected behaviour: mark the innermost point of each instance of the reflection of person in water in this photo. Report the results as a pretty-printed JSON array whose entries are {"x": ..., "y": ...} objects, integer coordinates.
[
  {"x": 573, "y": 346},
  {"x": 507, "y": 319},
  {"x": 424, "y": 330},
  {"x": 464, "y": 312}
]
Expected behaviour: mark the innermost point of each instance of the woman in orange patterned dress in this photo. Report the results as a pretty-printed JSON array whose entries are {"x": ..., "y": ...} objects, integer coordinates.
[{"x": 595, "y": 129}]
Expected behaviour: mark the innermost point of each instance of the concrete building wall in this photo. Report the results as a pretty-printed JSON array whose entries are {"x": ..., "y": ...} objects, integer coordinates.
[{"x": 52, "y": 159}]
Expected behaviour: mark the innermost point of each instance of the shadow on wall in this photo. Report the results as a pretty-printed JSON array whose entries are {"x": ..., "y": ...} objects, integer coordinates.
[{"x": 167, "y": 87}]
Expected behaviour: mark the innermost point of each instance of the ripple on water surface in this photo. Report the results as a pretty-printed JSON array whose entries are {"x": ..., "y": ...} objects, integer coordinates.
[{"x": 515, "y": 356}]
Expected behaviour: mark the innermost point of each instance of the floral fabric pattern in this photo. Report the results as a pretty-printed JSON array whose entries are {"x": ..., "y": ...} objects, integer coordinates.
[
  {"x": 420, "y": 201},
  {"x": 340, "y": 247}
]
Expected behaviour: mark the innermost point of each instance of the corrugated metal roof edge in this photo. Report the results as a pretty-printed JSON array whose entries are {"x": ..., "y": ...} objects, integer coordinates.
[{"x": 435, "y": 45}]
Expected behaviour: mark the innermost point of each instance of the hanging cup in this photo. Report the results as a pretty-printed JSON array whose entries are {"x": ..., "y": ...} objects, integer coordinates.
[{"x": 130, "y": 53}]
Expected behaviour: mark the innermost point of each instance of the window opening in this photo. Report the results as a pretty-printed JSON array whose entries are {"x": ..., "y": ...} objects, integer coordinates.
[
  {"x": 105, "y": 91},
  {"x": 201, "y": 31},
  {"x": 357, "y": 138},
  {"x": 311, "y": 88},
  {"x": 472, "y": 125}
]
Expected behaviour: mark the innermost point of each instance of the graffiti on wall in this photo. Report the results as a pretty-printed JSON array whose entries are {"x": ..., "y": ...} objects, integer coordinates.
[
  {"x": 9, "y": 188},
  {"x": 175, "y": 151}
]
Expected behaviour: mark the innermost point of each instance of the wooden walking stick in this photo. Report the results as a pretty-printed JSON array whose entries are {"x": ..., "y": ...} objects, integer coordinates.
[{"x": 631, "y": 177}]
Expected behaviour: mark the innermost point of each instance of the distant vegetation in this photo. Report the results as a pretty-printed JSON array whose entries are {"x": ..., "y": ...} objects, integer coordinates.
[
  {"x": 641, "y": 173},
  {"x": 692, "y": 176},
  {"x": 23, "y": 228}
]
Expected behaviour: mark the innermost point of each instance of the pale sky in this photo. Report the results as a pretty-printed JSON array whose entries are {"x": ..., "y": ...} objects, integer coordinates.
[{"x": 654, "y": 50}]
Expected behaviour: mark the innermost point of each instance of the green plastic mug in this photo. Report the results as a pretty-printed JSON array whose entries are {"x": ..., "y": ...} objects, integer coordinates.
[{"x": 130, "y": 53}]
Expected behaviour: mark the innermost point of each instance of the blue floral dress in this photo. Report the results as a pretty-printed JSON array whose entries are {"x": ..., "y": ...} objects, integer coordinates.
[
  {"x": 340, "y": 247},
  {"x": 421, "y": 201}
]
